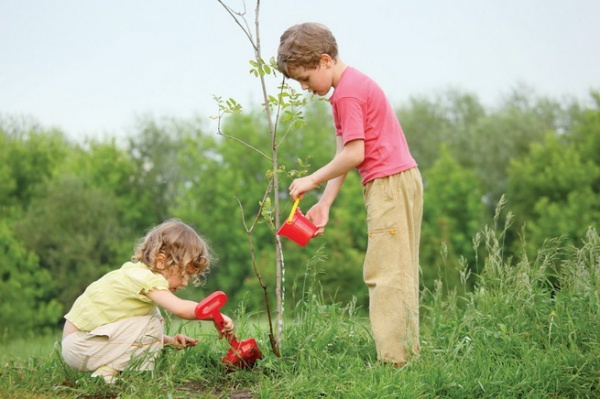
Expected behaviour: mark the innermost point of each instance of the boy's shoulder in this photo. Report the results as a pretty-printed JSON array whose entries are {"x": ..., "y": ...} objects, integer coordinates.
[
  {"x": 351, "y": 72},
  {"x": 356, "y": 84}
]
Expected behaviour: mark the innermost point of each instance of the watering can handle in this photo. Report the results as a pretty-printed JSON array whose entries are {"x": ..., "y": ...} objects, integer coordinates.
[
  {"x": 209, "y": 308},
  {"x": 294, "y": 207}
]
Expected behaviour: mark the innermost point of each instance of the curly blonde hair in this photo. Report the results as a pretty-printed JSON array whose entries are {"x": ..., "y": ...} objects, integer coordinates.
[
  {"x": 182, "y": 246},
  {"x": 302, "y": 46}
]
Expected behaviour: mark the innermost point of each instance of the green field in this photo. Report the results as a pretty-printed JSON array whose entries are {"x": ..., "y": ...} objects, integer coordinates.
[{"x": 529, "y": 329}]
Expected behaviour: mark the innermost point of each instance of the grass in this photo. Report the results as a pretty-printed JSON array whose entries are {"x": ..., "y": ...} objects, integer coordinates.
[
  {"x": 18, "y": 348},
  {"x": 529, "y": 329}
]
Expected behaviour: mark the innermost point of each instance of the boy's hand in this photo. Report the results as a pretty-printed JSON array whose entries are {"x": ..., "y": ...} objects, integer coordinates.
[
  {"x": 319, "y": 215},
  {"x": 300, "y": 186}
]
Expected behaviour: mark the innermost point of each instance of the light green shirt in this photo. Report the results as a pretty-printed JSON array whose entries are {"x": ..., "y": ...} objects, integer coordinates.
[{"x": 117, "y": 295}]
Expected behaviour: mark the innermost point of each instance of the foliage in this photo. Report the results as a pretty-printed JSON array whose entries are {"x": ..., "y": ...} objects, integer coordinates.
[
  {"x": 552, "y": 191},
  {"x": 29, "y": 156},
  {"x": 155, "y": 150},
  {"x": 80, "y": 207},
  {"x": 584, "y": 131},
  {"x": 453, "y": 212},
  {"x": 515, "y": 329},
  {"x": 484, "y": 141},
  {"x": 451, "y": 117},
  {"x": 77, "y": 237},
  {"x": 215, "y": 176},
  {"x": 117, "y": 173},
  {"x": 25, "y": 303}
]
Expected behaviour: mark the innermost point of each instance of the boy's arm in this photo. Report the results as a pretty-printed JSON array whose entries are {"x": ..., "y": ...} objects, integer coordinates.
[
  {"x": 347, "y": 157},
  {"x": 334, "y": 173},
  {"x": 319, "y": 213}
]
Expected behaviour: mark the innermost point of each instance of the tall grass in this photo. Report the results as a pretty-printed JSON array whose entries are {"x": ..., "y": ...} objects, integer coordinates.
[{"x": 529, "y": 329}]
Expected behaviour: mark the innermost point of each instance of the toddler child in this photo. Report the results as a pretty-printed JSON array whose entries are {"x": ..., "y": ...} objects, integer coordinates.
[{"x": 116, "y": 322}]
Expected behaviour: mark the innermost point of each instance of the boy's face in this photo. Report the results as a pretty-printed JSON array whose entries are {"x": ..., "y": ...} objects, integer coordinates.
[{"x": 318, "y": 81}]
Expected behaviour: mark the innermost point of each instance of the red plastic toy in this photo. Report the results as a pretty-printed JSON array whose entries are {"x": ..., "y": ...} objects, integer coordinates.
[{"x": 243, "y": 354}]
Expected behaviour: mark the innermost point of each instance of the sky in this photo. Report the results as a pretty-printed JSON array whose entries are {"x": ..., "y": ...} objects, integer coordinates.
[{"x": 93, "y": 68}]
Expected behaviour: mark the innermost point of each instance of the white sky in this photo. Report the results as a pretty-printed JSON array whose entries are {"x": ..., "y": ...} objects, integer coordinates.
[{"x": 91, "y": 67}]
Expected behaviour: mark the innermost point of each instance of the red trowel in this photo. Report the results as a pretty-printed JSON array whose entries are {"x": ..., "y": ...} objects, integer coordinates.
[{"x": 242, "y": 353}]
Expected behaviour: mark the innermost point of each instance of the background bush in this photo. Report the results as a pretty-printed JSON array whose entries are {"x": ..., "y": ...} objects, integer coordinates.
[{"x": 73, "y": 210}]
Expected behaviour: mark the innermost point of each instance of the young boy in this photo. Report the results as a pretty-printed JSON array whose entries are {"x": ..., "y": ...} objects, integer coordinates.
[{"x": 369, "y": 138}]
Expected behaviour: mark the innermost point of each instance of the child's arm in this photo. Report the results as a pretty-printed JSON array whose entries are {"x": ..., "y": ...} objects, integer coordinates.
[
  {"x": 347, "y": 157},
  {"x": 179, "y": 307},
  {"x": 184, "y": 308}
]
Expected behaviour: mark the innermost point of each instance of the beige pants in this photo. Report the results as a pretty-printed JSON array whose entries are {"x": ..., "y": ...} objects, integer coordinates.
[
  {"x": 134, "y": 341},
  {"x": 394, "y": 207}
]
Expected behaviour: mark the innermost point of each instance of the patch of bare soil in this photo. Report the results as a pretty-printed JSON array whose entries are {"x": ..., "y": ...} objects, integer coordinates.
[
  {"x": 241, "y": 395},
  {"x": 195, "y": 386}
]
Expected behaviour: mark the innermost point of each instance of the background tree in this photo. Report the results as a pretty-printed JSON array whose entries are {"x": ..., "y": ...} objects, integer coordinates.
[
  {"x": 29, "y": 157},
  {"x": 75, "y": 231},
  {"x": 72, "y": 210},
  {"x": 106, "y": 166},
  {"x": 481, "y": 140},
  {"x": 551, "y": 192},
  {"x": 583, "y": 131},
  {"x": 453, "y": 213},
  {"x": 506, "y": 134},
  {"x": 26, "y": 304},
  {"x": 450, "y": 118},
  {"x": 154, "y": 149}
]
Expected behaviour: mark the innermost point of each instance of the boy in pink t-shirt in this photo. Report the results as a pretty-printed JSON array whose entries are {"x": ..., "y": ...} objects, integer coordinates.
[{"x": 369, "y": 138}]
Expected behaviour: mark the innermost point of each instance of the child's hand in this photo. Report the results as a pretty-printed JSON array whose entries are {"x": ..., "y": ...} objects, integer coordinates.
[
  {"x": 180, "y": 341},
  {"x": 300, "y": 186},
  {"x": 319, "y": 215},
  {"x": 228, "y": 327}
]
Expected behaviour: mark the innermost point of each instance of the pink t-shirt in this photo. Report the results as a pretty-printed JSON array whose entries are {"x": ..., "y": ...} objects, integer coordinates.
[{"x": 361, "y": 111}]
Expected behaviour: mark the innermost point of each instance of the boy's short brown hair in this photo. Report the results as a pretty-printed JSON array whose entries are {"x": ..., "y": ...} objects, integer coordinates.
[{"x": 303, "y": 45}]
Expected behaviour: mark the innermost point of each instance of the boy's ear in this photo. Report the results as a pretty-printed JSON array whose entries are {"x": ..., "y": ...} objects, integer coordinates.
[{"x": 326, "y": 61}]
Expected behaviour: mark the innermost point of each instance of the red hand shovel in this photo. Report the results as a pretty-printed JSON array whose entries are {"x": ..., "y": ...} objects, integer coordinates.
[{"x": 242, "y": 353}]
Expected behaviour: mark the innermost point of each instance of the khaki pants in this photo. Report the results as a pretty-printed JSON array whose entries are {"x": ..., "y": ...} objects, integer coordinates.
[
  {"x": 135, "y": 340},
  {"x": 394, "y": 207}
]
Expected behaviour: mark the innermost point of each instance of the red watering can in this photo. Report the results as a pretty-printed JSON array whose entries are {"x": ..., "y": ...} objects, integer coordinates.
[{"x": 297, "y": 227}]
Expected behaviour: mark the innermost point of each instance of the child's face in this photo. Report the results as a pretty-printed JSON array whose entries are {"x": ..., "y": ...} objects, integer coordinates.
[
  {"x": 318, "y": 81},
  {"x": 176, "y": 280}
]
